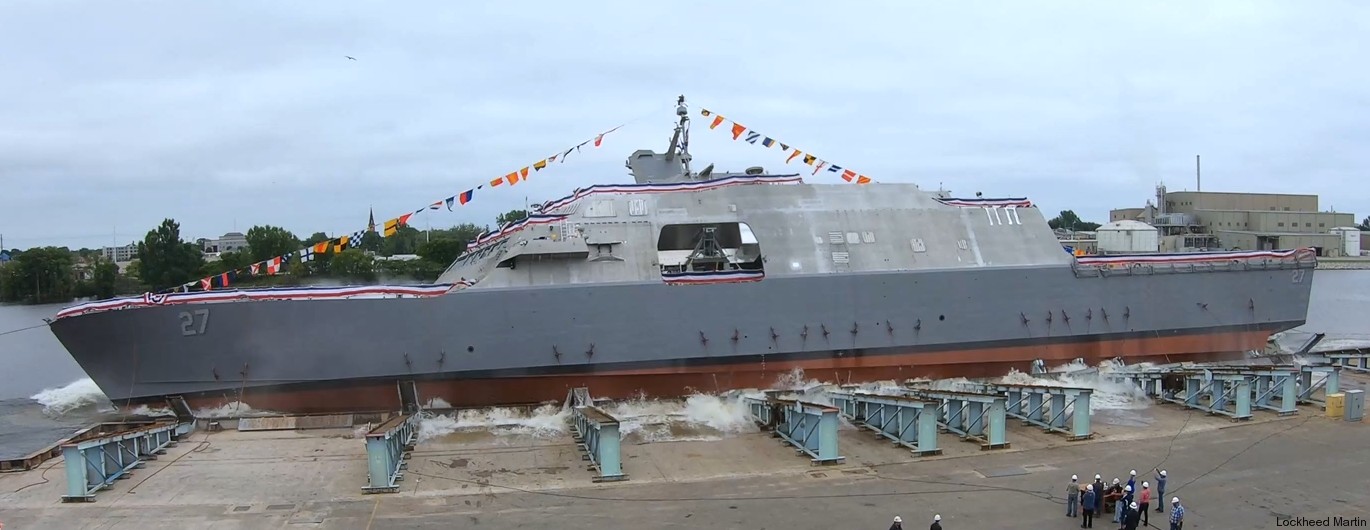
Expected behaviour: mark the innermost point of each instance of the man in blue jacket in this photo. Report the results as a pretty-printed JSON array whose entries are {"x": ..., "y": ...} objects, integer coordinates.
[{"x": 1090, "y": 504}]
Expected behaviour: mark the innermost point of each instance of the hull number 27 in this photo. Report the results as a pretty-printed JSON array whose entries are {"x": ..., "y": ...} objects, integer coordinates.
[
  {"x": 1298, "y": 276},
  {"x": 194, "y": 322}
]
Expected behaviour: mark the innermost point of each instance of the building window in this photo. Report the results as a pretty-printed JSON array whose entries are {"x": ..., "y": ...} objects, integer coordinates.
[
  {"x": 1321, "y": 225},
  {"x": 1308, "y": 225},
  {"x": 1280, "y": 224},
  {"x": 1286, "y": 208}
]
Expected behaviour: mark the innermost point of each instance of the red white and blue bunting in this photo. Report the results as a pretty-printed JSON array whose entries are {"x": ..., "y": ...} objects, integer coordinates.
[
  {"x": 288, "y": 293},
  {"x": 708, "y": 277},
  {"x": 1198, "y": 257}
]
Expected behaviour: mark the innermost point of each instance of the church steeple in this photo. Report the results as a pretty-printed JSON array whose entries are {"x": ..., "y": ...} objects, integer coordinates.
[{"x": 371, "y": 221}]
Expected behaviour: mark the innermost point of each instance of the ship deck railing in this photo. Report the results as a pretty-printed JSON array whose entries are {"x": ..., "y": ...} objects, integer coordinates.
[{"x": 1144, "y": 269}]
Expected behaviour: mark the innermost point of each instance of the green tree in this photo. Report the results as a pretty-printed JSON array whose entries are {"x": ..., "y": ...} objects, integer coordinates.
[
  {"x": 265, "y": 242},
  {"x": 510, "y": 217},
  {"x": 228, "y": 261},
  {"x": 1069, "y": 221},
  {"x": 372, "y": 242},
  {"x": 318, "y": 237},
  {"x": 441, "y": 251},
  {"x": 39, "y": 275},
  {"x": 465, "y": 232},
  {"x": 166, "y": 260},
  {"x": 405, "y": 240},
  {"x": 1364, "y": 225},
  {"x": 104, "y": 278},
  {"x": 353, "y": 263}
]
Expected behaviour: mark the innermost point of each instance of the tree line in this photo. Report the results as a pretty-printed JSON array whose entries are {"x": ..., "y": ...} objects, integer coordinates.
[{"x": 59, "y": 274}]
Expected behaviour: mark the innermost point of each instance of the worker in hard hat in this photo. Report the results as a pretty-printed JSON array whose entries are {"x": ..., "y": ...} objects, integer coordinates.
[
  {"x": 1132, "y": 480},
  {"x": 1133, "y": 517},
  {"x": 936, "y": 522},
  {"x": 1160, "y": 488},
  {"x": 1089, "y": 504},
  {"x": 1073, "y": 496},
  {"x": 1116, "y": 494},
  {"x": 1144, "y": 500},
  {"x": 1176, "y": 514},
  {"x": 1098, "y": 494},
  {"x": 898, "y": 523}
]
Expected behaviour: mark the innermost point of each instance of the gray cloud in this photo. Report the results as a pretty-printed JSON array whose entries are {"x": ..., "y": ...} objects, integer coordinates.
[{"x": 113, "y": 117}]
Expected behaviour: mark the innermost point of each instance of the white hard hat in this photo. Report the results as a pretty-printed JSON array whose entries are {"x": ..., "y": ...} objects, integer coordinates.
[
  {"x": 897, "y": 519},
  {"x": 937, "y": 517},
  {"x": 1089, "y": 487},
  {"x": 1175, "y": 500},
  {"x": 1073, "y": 477},
  {"x": 1133, "y": 506},
  {"x": 1134, "y": 472},
  {"x": 1097, "y": 477},
  {"x": 1115, "y": 480},
  {"x": 1127, "y": 488},
  {"x": 1162, "y": 472},
  {"x": 1146, "y": 484}
]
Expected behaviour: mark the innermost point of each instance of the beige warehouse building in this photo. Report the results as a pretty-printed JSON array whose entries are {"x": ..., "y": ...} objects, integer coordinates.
[{"x": 1194, "y": 220}]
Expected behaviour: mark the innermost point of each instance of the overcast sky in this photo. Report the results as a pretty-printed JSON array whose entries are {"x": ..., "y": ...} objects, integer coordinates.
[{"x": 113, "y": 117}]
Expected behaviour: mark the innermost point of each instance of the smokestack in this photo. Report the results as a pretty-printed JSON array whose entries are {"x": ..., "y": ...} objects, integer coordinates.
[{"x": 1198, "y": 174}]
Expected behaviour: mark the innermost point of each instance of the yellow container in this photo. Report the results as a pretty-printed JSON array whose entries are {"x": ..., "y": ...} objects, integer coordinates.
[{"x": 1336, "y": 405}]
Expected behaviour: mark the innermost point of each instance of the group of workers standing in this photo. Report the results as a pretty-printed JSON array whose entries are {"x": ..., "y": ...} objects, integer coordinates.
[
  {"x": 1130, "y": 505},
  {"x": 899, "y": 523}
]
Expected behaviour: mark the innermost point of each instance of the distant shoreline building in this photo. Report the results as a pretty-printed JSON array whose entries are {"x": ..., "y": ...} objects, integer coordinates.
[
  {"x": 123, "y": 254},
  {"x": 230, "y": 242},
  {"x": 1189, "y": 221}
]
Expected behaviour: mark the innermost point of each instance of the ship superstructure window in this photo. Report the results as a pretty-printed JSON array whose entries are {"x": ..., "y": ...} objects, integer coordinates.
[{"x": 707, "y": 247}]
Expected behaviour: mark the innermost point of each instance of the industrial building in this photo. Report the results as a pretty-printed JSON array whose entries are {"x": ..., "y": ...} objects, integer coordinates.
[
  {"x": 123, "y": 254},
  {"x": 230, "y": 242},
  {"x": 1188, "y": 221}
]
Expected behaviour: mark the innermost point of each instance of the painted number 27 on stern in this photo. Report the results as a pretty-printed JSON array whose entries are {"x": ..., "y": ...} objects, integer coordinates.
[{"x": 194, "y": 322}]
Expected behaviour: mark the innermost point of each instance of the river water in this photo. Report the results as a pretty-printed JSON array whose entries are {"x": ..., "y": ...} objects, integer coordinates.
[{"x": 45, "y": 394}]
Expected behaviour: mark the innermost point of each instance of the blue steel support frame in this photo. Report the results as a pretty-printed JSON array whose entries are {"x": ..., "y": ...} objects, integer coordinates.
[
  {"x": 1331, "y": 382},
  {"x": 809, "y": 427},
  {"x": 908, "y": 422},
  {"x": 598, "y": 435},
  {"x": 1357, "y": 360},
  {"x": 94, "y": 465},
  {"x": 1066, "y": 405},
  {"x": 976, "y": 417},
  {"x": 387, "y": 450},
  {"x": 1222, "y": 389},
  {"x": 1281, "y": 385}
]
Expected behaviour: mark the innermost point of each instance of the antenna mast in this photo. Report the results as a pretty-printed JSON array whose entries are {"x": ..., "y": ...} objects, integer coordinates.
[{"x": 682, "y": 129}]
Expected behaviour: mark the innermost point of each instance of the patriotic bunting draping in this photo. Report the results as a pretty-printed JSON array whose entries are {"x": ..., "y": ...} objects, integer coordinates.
[
  {"x": 337, "y": 244},
  {"x": 741, "y": 132}
]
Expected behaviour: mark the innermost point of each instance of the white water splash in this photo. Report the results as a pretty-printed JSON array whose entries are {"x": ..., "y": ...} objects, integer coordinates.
[
  {"x": 233, "y": 409},
  {"x": 437, "y": 403},
  {"x": 77, "y": 394},
  {"x": 547, "y": 421},
  {"x": 144, "y": 410}
]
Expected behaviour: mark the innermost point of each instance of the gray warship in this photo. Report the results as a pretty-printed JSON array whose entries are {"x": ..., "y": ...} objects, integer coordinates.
[{"x": 690, "y": 281}]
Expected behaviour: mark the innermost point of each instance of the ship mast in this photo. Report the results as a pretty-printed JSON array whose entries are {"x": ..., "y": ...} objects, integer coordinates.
[{"x": 682, "y": 129}]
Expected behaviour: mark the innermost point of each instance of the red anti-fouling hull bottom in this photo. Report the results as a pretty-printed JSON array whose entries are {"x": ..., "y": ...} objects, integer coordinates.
[{"x": 674, "y": 381}]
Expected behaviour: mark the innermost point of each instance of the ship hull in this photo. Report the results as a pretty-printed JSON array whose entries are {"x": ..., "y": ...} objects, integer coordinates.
[{"x": 504, "y": 346}]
